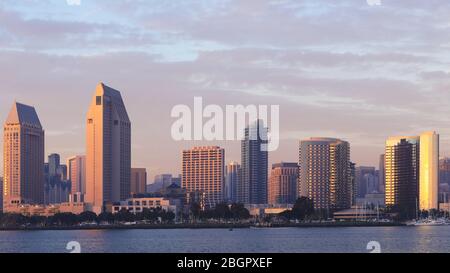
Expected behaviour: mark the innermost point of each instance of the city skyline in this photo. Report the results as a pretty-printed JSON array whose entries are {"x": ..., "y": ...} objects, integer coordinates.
[
  {"x": 100, "y": 87},
  {"x": 313, "y": 63}
]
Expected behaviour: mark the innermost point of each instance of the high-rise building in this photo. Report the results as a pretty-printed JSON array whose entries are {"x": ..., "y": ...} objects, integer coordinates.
[
  {"x": 253, "y": 186},
  {"x": 412, "y": 173},
  {"x": 23, "y": 155},
  {"x": 108, "y": 150},
  {"x": 429, "y": 171},
  {"x": 56, "y": 188},
  {"x": 54, "y": 161},
  {"x": 382, "y": 175},
  {"x": 203, "y": 172},
  {"x": 283, "y": 183},
  {"x": 402, "y": 162},
  {"x": 138, "y": 181},
  {"x": 325, "y": 173},
  {"x": 366, "y": 179},
  {"x": 77, "y": 174},
  {"x": 232, "y": 178}
]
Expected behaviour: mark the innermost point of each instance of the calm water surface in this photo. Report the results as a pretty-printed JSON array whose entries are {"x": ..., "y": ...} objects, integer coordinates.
[{"x": 290, "y": 240}]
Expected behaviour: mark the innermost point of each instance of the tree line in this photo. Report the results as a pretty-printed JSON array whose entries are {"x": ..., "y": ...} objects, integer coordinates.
[
  {"x": 222, "y": 211},
  {"x": 154, "y": 215}
]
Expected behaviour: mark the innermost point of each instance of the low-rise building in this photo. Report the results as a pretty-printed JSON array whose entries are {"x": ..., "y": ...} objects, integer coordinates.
[
  {"x": 267, "y": 210},
  {"x": 137, "y": 205},
  {"x": 46, "y": 210},
  {"x": 357, "y": 214}
]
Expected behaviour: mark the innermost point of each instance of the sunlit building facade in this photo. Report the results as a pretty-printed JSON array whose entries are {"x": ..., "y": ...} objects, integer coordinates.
[
  {"x": 429, "y": 171},
  {"x": 108, "y": 150},
  {"x": 412, "y": 173},
  {"x": 325, "y": 173},
  {"x": 283, "y": 183},
  {"x": 402, "y": 164},
  {"x": 23, "y": 157},
  {"x": 203, "y": 173}
]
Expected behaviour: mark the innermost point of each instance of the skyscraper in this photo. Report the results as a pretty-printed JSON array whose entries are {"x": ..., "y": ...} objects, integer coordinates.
[
  {"x": 253, "y": 186},
  {"x": 56, "y": 188},
  {"x": 283, "y": 183},
  {"x": 429, "y": 171},
  {"x": 412, "y": 173},
  {"x": 77, "y": 174},
  {"x": 53, "y": 164},
  {"x": 108, "y": 150},
  {"x": 138, "y": 181},
  {"x": 23, "y": 155},
  {"x": 203, "y": 173},
  {"x": 325, "y": 173},
  {"x": 232, "y": 178},
  {"x": 402, "y": 175},
  {"x": 366, "y": 180}
]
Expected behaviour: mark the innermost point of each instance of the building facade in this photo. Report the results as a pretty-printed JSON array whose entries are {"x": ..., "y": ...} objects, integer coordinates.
[
  {"x": 23, "y": 155},
  {"x": 232, "y": 178},
  {"x": 108, "y": 150},
  {"x": 283, "y": 183},
  {"x": 76, "y": 166},
  {"x": 367, "y": 180},
  {"x": 203, "y": 171},
  {"x": 429, "y": 171},
  {"x": 137, "y": 205},
  {"x": 138, "y": 181},
  {"x": 253, "y": 186},
  {"x": 57, "y": 187},
  {"x": 402, "y": 161},
  {"x": 325, "y": 173},
  {"x": 412, "y": 173}
]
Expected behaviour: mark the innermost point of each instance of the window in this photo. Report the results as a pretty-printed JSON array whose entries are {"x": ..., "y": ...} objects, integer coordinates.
[{"x": 98, "y": 100}]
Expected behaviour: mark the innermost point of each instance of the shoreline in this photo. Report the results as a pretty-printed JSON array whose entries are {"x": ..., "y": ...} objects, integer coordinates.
[{"x": 204, "y": 226}]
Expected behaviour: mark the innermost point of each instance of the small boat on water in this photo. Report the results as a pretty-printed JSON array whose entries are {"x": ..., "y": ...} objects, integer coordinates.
[{"x": 428, "y": 222}]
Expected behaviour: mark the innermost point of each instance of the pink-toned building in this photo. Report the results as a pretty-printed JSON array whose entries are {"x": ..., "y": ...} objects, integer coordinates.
[
  {"x": 138, "y": 181},
  {"x": 108, "y": 149},
  {"x": 203, "y": 172},
  {"x": 23, "y": 156},
  {"x": 283, "y": 183}
]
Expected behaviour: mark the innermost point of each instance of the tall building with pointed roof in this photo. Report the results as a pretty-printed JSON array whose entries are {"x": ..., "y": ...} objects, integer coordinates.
[
  {"x": 108, "y": 149},
  {"x": 23, "y": 155}
]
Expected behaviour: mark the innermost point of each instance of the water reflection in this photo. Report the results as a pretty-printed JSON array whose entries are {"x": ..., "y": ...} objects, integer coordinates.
[{"x": 283, "y": 240}]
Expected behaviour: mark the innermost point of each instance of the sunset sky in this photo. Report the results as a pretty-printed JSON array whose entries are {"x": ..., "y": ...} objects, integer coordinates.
[{"x": 341, "y": 69}]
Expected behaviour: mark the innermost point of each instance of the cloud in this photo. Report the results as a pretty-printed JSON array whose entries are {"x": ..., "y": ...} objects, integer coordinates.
[{"x": 336, "y": 68}]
